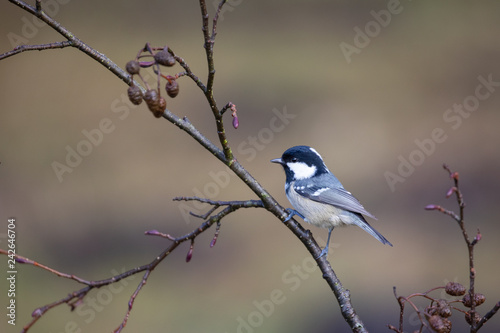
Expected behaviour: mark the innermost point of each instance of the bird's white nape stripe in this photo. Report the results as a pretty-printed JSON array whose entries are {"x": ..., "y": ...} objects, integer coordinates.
[
  {"x": 301, "y": 170},
  {"x": 314, "y": 151}
]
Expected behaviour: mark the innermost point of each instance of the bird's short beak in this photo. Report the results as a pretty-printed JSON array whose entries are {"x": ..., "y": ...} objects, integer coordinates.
[{"x": 277, "y": 160}]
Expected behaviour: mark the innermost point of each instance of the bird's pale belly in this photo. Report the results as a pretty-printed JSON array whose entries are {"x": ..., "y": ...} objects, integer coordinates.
[{"x": 318, "y": 214}]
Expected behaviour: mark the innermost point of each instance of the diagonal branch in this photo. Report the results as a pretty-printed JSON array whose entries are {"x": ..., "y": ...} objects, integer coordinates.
[
  {"x": 488, "y": 316},
  {"x": 72, "y": 40},
  {"x": 22, "y": 48},
  {"x": 73, "y": 299},
  {"x": 225, "y": 155}
]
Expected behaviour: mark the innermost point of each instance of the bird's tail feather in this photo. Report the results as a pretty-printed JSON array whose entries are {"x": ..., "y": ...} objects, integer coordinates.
[{"x": 369, "y": 229}]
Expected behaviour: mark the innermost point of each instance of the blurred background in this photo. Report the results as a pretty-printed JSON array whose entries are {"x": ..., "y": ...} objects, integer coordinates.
[{"x": 386, "y": 91}]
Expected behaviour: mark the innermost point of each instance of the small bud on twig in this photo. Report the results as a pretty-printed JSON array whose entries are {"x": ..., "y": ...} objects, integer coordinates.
[
  {"x": 451, "y": 191},
  {"x": 21, "y": 260},
  {"x": 432, "y": 207},
  {"x": 214, "y": 240},
  {"x": 190, "y": 252},
  {"x": 152, "y": 232},
  {"x": 37, "y": 313},
  {"x": 477, "y": 238},
  {"x": 236, "y": 122}
]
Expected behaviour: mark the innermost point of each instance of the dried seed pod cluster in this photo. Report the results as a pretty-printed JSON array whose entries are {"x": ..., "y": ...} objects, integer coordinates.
[
  {"x": 438, "y": 312},
  {"x": 152, "y": 57}
]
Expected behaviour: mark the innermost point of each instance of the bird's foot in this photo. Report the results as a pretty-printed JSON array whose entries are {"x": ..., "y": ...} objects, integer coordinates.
[
  {"x": 292, "y": 213},
  {"x": 324, "y": 252}
]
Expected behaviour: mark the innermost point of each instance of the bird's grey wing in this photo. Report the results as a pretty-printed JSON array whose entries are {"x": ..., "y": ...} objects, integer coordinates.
[{"x": 337, "y": 197}]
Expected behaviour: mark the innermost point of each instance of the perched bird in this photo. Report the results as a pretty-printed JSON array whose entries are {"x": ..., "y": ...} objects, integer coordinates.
[{"x": 318, "y": 196}]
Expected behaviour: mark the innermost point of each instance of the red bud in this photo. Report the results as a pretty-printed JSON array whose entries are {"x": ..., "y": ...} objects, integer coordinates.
[
  {"x": 212, "y": 243},
  {"x": 22, "y": 260},
  {"x": 190, "y": 252},
  {"x": 37, "y": 313}
]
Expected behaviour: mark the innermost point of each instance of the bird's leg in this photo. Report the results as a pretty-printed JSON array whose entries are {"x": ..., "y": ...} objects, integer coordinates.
[
  {"x": 292, "y": 213},
  {"x": 324, "y": 252}
]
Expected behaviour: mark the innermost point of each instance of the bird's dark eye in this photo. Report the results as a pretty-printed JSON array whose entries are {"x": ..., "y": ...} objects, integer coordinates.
[{"x": 294, "y": 159}]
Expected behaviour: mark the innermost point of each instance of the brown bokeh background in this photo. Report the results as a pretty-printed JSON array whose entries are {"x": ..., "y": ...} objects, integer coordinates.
[{"x": 271, "y": 56}]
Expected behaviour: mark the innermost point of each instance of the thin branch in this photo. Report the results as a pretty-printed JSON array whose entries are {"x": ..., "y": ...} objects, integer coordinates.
[
  {"x": 74, "y": 298},
  {"x": 225, "y": 155},
  {"x": 23, "y": 260},
  {"x": 74, "y": 41},
  {"x": 209, "y": 48},
  {"x": 470, "y": 246},
  {"x": 188, "y": 70},
  {"x": 185, "y": 125},
  {"x": 488, "y": 316},
  {"x": 131, "y": 301},
  {"x": 454, "y": 289},
  {"x": 41, "y": 47},
  {"x": 238, "y": 204},
  {"x": 216, "y": 19}
]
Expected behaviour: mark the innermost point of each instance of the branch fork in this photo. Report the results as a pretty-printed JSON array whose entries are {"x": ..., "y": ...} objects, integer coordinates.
[{"x": 437, "y": 313}]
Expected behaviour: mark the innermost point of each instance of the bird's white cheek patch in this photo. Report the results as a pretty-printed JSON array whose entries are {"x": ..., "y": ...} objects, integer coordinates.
[{"x": 302, "y": 170}]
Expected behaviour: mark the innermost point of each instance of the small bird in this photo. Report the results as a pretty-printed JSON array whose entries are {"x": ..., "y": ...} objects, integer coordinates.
[{"x": 318, "y": 196}]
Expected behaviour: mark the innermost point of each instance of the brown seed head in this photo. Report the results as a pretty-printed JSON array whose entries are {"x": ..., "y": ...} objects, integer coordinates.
[
  {"x": 454, "y": 289},
  {"x": 439, "y": 324},
  {"x": 132, "y": 67},
  {"x": 134, "y": 94}
]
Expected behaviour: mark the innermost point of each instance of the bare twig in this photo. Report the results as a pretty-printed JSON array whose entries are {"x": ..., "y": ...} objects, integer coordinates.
[
  {"x": 131, "y": 301},
  {"x": 455, "y": 289},
  {"x": 75, "y": 297},
  {"x": 22, "y": 48},
  {"x": 224, "y": 154},
  {"x": 71, "y": 39},
  {"x": 488, "y": 316}
]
